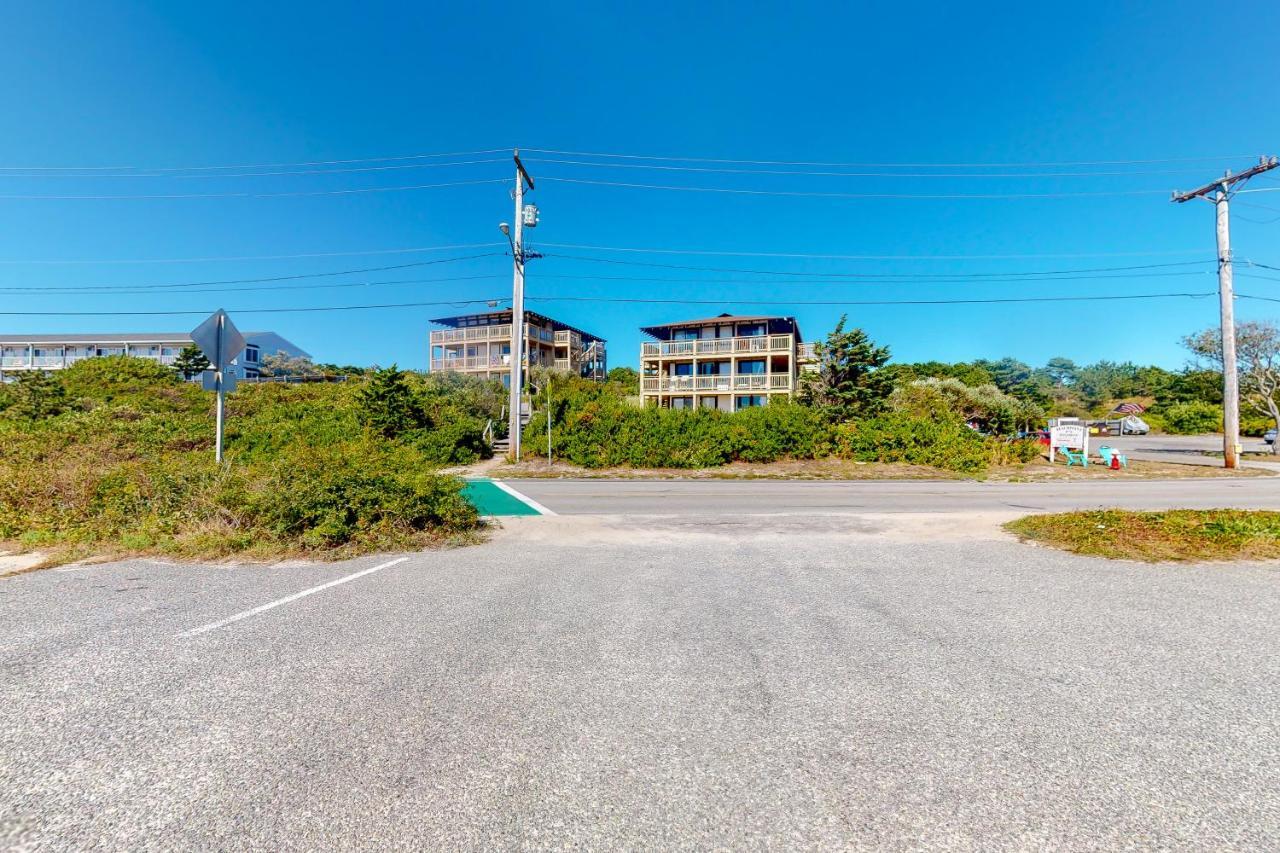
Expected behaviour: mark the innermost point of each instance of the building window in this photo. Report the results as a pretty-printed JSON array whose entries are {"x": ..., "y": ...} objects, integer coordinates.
[
  {"x": 747, "y": 401},
  {"x": 754, "y": 367},
  {"x": 682, "y": 369},
  {"x": 709, "y": 403},
  {"x": 251, "y": 355},
  {"x": 684, "y": 335},
  {"x": 682, "y": 402},
  {"x": 751, "y": 330}
]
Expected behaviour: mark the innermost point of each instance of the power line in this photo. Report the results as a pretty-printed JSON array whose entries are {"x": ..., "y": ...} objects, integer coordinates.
[
  {"x": 877, "y": 301},
  {"x": 300, "y": 255},
  {"x": 802, "y": 172},
  {"x": 621, "y": 262},
  {"x": 460, "y": 302},
  {"x": 260, "y": 165},
  {"x": 457, "y": 302},
  {"x": 292, "y": 277},
  {"x": 140, "y": 289},
  {"x": 173, "y": 175},
  {"x": 724, "y": 253},
  {"x": 290, "y": 194},
  {"x": 883, "y": 165},
  {"x": 807, "y": 194}
]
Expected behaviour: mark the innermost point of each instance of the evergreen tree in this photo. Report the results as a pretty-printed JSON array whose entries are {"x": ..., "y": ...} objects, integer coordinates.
[
  {"x": 191, "y": 362},
  {"x": 37, "y": 395},
  {"x": 848, "y": 382},
  {"x": 387, "y": 403}
]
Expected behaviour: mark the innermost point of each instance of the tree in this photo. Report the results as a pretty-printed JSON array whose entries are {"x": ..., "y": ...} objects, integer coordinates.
[
  {"x": 191, "y": 362},
  {"x": 1061, "y": 371},
  {"x": 627, "y": 376},
  {"x": 36, "y": 395},
  {"x": 283, "y": 364},
  {"x": 848, "y": 382},
  {"x": 387, "y": 403},
  {"x": 1257, "y": 361}
]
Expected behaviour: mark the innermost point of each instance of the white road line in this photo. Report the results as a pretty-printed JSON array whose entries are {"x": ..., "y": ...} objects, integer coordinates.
[
  {"x": 524, "y": 498},
  {"x": 288, "y": 598}
]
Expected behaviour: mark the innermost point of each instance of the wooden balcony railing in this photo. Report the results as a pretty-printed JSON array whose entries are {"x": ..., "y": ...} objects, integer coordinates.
[
  {"x": 726, "y": 383},
  {"x": 717, "y": 346}
]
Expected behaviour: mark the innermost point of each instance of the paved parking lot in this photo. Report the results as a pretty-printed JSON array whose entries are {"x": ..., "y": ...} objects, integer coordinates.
[{"x": 841, "y": 680}]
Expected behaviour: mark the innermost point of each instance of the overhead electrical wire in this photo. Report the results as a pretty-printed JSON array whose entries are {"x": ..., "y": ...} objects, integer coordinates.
[
  {"x": 206, "y": 175},
  {"x": 631, "y": 263},
  {"x": 1061, "y": 163},
  {"x": 291, "y": 277},
  {"x": 844, "y": 195},
  {"x": 393, "y": 158},
  {"x": 288, "y": 194},
  {"x": 983, "y": 301},
  {"x": 616, "y": 300},
  {"x": 828, "y": 174},
  {"x": 836, "y": 257},
  {"x": 143, "y": 289},
  {"x": 219, "y": 258}
]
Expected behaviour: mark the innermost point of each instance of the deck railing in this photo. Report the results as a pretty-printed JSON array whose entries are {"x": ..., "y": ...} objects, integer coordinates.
[
  {"x": 726, "y": 382},
  {"x": 718, "y": 346}
]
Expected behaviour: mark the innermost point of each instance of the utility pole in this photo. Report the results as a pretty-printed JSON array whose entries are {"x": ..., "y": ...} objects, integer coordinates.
[
  {"x": 517, "y": 309},
  {"x": 1219, "y": 192}
]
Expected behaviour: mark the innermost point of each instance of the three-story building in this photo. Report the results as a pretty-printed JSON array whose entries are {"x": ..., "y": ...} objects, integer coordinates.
[
  {"x": 727, "y": 362},
  {"x": 480, "y": 345}
]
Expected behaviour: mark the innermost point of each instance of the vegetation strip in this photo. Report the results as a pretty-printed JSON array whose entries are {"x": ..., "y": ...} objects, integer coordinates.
[{"x": 1183, "y": 535}]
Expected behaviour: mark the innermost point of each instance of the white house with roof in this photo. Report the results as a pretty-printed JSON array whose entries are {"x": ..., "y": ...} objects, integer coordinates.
[{"x": 56, "y": 351}]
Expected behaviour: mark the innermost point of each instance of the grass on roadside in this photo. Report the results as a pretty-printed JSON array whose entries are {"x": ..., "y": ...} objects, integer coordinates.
[{"x": 1183, "y": 535}]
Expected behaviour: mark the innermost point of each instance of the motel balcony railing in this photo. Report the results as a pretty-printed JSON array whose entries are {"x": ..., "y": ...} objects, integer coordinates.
[
  {"x": 717, "y": 346},
  {"x": 718, "y": 383}
]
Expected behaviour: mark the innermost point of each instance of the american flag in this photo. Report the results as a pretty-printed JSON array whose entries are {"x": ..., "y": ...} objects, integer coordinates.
[{"x": 1129, "y": 409}]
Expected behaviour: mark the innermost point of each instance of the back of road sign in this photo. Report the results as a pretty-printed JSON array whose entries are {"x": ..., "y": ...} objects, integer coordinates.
[{"x": 219, "y": 349}]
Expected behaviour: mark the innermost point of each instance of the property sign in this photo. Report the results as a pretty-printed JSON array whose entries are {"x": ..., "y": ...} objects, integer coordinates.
[{"x": 1071, "y": 436}]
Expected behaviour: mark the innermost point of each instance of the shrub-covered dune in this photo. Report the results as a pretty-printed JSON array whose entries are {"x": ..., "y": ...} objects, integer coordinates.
[{"x": 114, "y": 455}]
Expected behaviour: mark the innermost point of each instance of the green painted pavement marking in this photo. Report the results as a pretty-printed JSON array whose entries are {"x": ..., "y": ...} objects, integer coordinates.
[{"x": 488, "y": 499}]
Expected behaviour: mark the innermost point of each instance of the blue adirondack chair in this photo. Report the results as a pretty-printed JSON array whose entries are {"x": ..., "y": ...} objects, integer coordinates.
[
  {"x": 1108, "y": 452},
  {"x": 1075, "y": 457}
]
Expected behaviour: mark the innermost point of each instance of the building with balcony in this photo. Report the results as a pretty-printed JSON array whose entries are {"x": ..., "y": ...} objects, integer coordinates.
[
  {"x": 480, "y": 345},
  {"x": 54, "y": 352},
  {"x": 727, "y": 362}
]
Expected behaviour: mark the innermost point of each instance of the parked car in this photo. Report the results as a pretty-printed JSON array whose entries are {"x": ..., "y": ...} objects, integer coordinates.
[{"x": 1269, "y": 436}]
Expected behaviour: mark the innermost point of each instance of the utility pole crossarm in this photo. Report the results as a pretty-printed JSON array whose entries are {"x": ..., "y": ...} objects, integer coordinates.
[{"x": 1227, "y": 181}]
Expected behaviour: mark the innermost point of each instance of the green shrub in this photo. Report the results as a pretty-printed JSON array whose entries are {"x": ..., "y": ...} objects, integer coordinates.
[
  {"x": 1192, "y": 418},
  {"x": 603, "y": 433},
  {"x": 937, "y": 442},
  {"x": 132, "y": 468}
]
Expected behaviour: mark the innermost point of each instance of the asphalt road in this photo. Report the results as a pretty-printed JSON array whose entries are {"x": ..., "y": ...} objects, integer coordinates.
[
  {"x": 794, "y": 682},
  {"x": 686, "y": 498},
  {"x": 1187, "y": 449}
]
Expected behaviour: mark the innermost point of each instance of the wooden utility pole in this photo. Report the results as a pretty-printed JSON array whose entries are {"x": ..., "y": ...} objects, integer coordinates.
[
  {"x": 1220, "y": 192},
  {"x": 517, "y": 311}
]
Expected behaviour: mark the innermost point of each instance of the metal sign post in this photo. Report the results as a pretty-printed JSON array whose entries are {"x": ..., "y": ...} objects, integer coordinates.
[{"x": 221, "y": 342}]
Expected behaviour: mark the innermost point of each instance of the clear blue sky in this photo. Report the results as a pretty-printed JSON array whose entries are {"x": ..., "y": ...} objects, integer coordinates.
[{"x": 175, "y": 85}]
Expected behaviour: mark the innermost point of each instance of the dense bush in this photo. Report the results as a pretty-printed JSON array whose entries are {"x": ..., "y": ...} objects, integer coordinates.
[
  {"x": 129, "y": 465},
  {"x": 1191, "y": 418},
  {"x": 592, "y": 429},
  {"x": 937, "y": 442},
  {"x": 953, "y": 400}
]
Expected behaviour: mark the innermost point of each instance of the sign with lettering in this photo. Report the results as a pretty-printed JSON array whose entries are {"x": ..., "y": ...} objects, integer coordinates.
[{"x": 1070, "y": 436}]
